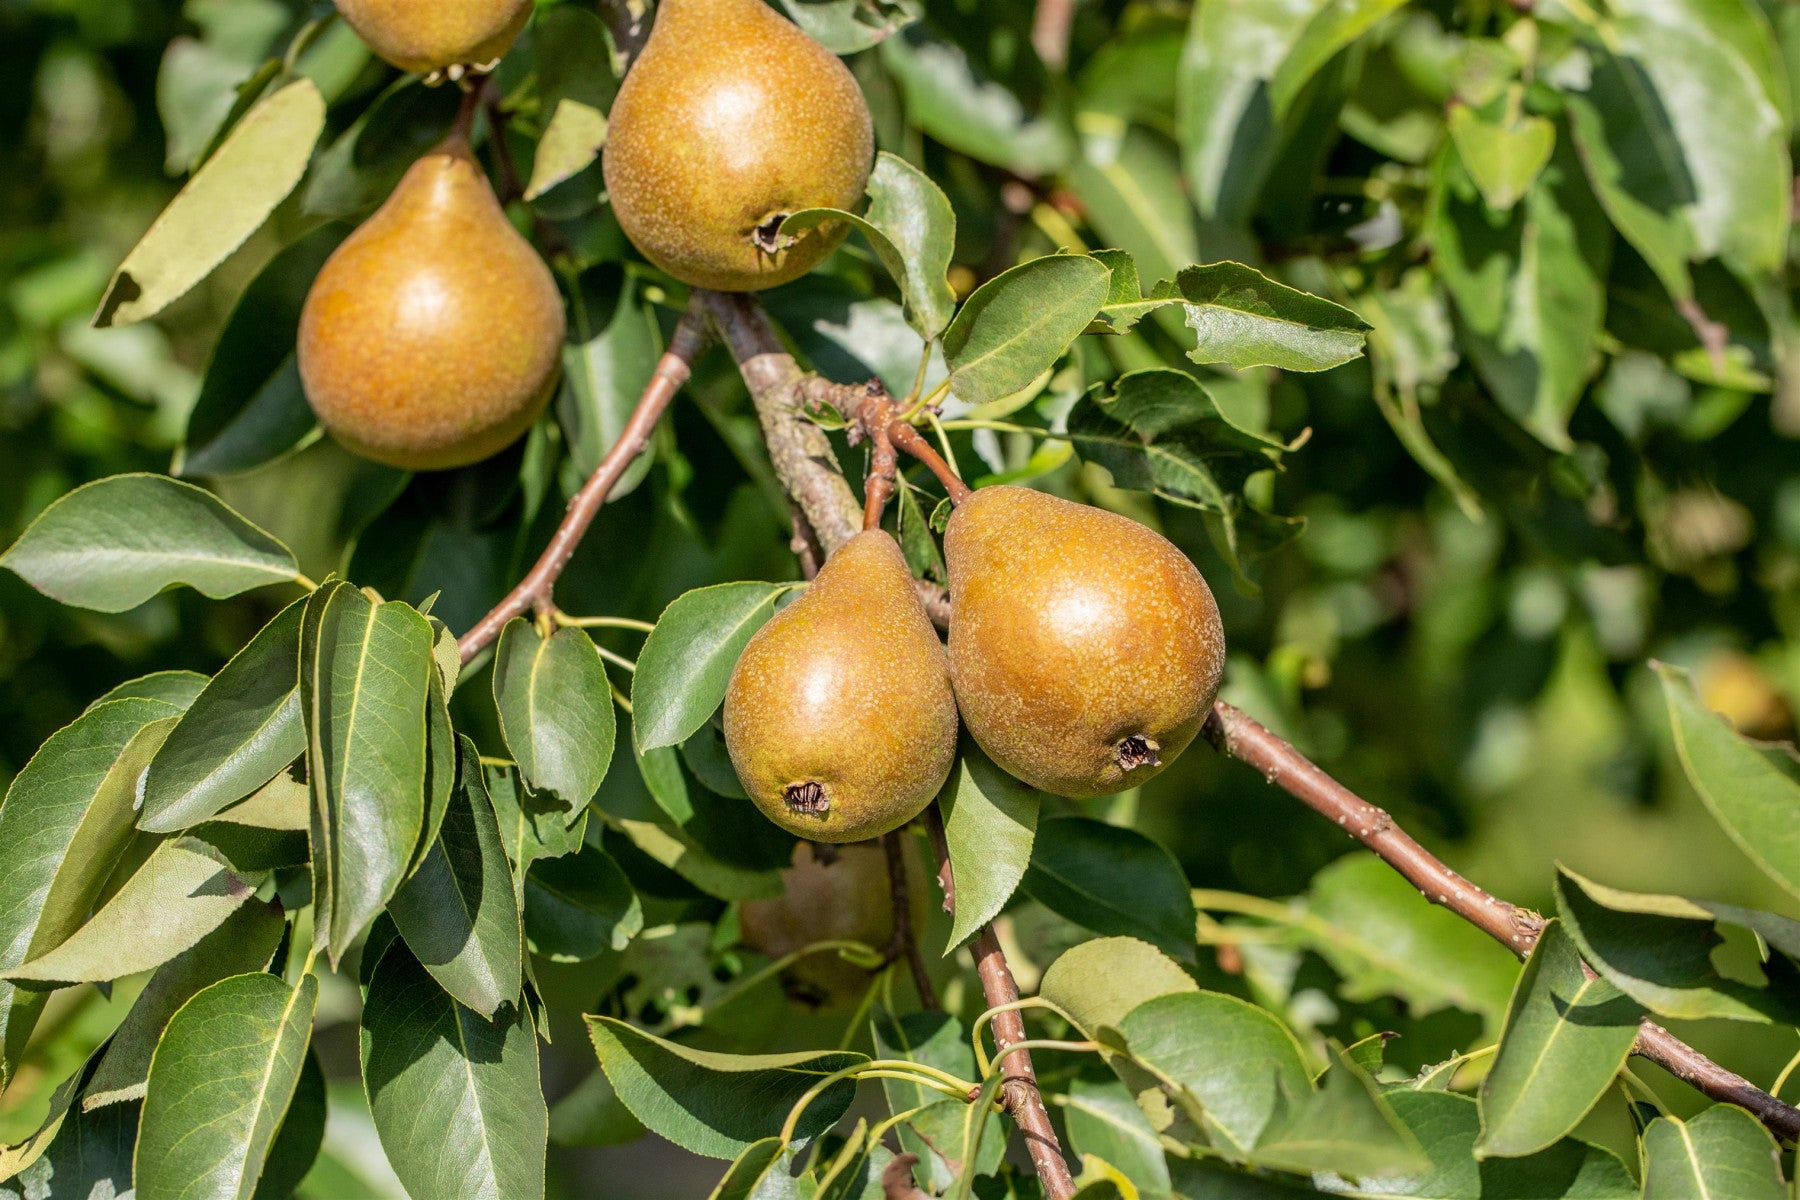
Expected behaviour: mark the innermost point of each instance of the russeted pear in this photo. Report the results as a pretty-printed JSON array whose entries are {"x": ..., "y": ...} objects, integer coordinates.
[
  {"x": 832, "y": 893},
  {"x": 437, "y": 35},
  {"x": 1085, "y": 648},
  {"x": 839, "y": 715},
  {"x": 431, "y": 337},
  {"x": 730, "y": 121}
]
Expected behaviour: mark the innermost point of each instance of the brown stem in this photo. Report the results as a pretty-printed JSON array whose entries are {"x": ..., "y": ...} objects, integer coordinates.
[
  {"x": 533, "y": 592},
  {"x": 1240, "y": 736},
  {"x": 1024, "y": 1102},
  {"x": 909, "y": 440},
  {"x": 905, "y": 943},
  {"x": 884, "y": 466},
  {"x": 805, "y": 544},
  {"x": 474, "y": 91}
]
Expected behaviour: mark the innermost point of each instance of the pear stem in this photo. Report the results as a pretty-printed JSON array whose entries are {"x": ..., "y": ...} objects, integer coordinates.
[
  {"x": 908, "y": 439},
  {"x": 876, "y": 414},
  {"x": 534, "y": 591},
  {"x": 463, "y": 127}
]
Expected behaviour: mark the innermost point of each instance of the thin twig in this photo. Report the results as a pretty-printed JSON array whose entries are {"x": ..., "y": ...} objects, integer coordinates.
[
  {"x": 909, "y": 440},
  {"x": 1240, "y": 736},
  {"x": 534, "y": 591},
  {"x": 876, "y": 414},
  {"x": 905, "y": 943}
]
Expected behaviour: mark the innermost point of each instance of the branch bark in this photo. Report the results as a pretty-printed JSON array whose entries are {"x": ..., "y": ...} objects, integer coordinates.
[
  {"x": 534, "y": 591},
  {"x": 1240, "y": 736}
]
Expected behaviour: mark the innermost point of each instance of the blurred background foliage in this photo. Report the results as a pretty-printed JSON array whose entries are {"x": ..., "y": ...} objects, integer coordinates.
[{"x": 1568, "y": 452}]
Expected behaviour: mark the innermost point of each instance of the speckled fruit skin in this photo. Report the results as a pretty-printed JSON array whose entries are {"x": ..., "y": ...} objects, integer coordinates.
[
  {"x": 431, "y": 35},
  {"x": 845, "y": 899},
  {"x": 730, "y": 117},
  {"x": 848, "y": 688},
  {"x": 432, "y": 336},
  {"x": 1072, "y": 629}
]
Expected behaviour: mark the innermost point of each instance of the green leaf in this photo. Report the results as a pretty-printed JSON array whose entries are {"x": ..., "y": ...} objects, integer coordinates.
[
  {"x": 1343, "y": 1126},
  {"x": 1017, "y": 324},
  {"x": 934, "y": 1040},
  {"x": 1722, "y": 1152},
  {"x": 575, "y": 87},
  {"x": 242, "y": 945},
  {"x": 912, "y": 229},
  {"x": 1135, "y": 199},
  {"x": 990, "y": 819},
  {"x": 1104, "y": 1120},
  {"x": 1753, "y": 790},
  {"x": 855, "y": 1172},
  {"x": 1113, "y": 881},
  {"x": 365, "y": 670},
  {"x": 764, "y": 1171},
  {"x": 531, "y": 826},
  {"x": 179, "y": 688},
  {"x": 251, "y": 408},
  {"x": 1242, "y": 318},
  {"x": 1333, "y": 27},
  {"x": 220, "y": 1084},
  {"x": 851, "y": 26},
  {"x": 222, "y": 205},
  {"x": 1446, "y": 1126},
  {"x": 456, "y": 1098},
  {"x": 718, "y": 1104},
  {"x": 65, "y": 822},
  {"x": 556, "y": 711},
  {"x": 263, "y": 833},
  {"x": 593, "y": 1115},
  {"x": 613, "y": 348},
  {"x": 113, "y": 544},
  {"x": 571, "y": 143},
  {"x": 89, "y": 1158},
  {"x": 1227, "y": 1064},
  {"x": 686, "y": 663},
  {"x": 1565, "y": 1039},
  {"x": 1502, "y": 158},
  {"x": 1098, "y": 982},
  {"x": 1658, "y": 950},
  {"x": 301, "y": 1135},
  {"x": 957, "y": 104},
  {"x": 176, "y": 898},
  {"x": 358, "y": 170},
  {"x": 242, "y": 729},
  {"x": 975, "y": 1127},
  {"x": 580, "y": 906},
  {"x": 458, "y": 912}
]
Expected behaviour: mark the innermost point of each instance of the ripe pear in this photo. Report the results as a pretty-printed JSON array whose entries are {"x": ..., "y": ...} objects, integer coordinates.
[
  {"x": 832, "y": 893},
  {"x": 431, "y": 337},
  {"x": 730, "y": 121},
  {"x": 438, "y": 35},
  {"x": 839, "y": 715},
  {"x": 1085, "y": 648}
]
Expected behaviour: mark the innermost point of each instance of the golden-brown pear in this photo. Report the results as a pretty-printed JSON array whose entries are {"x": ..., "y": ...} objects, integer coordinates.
[
  {"x": 731, "y": 120},
  {"x": 1085, "y": 648},
  {"x": 832, "y": 894},
  {"x": 839, "y": 715},
  {"x": 431, "y": 338},
  {"x": 437, "y": 35}
]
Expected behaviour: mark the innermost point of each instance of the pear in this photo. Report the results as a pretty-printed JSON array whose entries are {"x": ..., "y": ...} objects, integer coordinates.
[
  {"x": 839, "y": 715},
  {"x": 730, "y": 121},
  {"x": 1085, "y": 648},
  {"x": 832, "y": 893},
  {"x": 437, "y": 35},
  {"x": 431, "y": 337}
]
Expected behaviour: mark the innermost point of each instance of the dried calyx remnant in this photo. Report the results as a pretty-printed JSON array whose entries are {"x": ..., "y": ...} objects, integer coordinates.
[
  {"x": 1138, "y": 751},
  {"x": 767, "y": 235},
  {"x": 808, "y": 798}
]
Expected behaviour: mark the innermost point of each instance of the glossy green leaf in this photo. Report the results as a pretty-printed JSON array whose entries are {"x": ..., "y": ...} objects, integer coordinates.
[
  {"x": 1658, "y": 950},
  {"x": 556, "y": 710},
  {"x": 1343, "y": 1125},
  {"x": 718, "y": 1104},
  {"x": 238, "y": 733},
  {"x": 580, "y": 906},
  {"x": 1104, "y": 1120},
  {"x": 1566, "y": 1037},
  {"x": 851, "y": 26},
  {"x": 1503, "y": 157},
  {"x": 1722, "y": 1152},
  {"x": 220, "y": 1085},
  {"x": 458, "y": 912},
  {"x": 1112, "y": 880},
  {"x": 365, "y": 671},
  {"x": 912, "y": 229},
  {"x": 179, "y": 688},
  {"x": 612, "y": 350},
  {"x": 764, "y": 1171},
  {"x": 455, "y": 1097},
  {"x": 302, "y": 1134},
  {"x": 1752, "y": 790},
  {"x": 990, "y": 819},
  {"x": 1099, "y": 982},
  {"x": 175, "y": 899},
  {"x": 1017, "y": 324},
  {"x": 242, "y": 945},
  {"x": 113, "y": 544},
  {"x": 66, "y": 820},
  {"x": 685, "y": 664},
  {"x": 934, "y": 1040},
  {"x": 222, "y": 205},
  {"x": 531, "y": 826},
  {"x": 266, "y": 831},
  {"x": 1242, "y": 318}
]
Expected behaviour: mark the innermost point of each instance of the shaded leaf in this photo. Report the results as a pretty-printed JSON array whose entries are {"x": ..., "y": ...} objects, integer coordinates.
[
  {"x": 580, "y": 906},
  {"x": 612, "y": 350},
  {"x": 935, "y": 1135},
  {"x": 556, "y": 711},
  {"x": 1112, "y": 880}
]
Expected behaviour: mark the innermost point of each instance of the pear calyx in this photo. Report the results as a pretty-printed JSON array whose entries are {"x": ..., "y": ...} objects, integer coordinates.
[
  {"x": 1137, "y": 751},
  {"x": 808, "y": 799}
]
